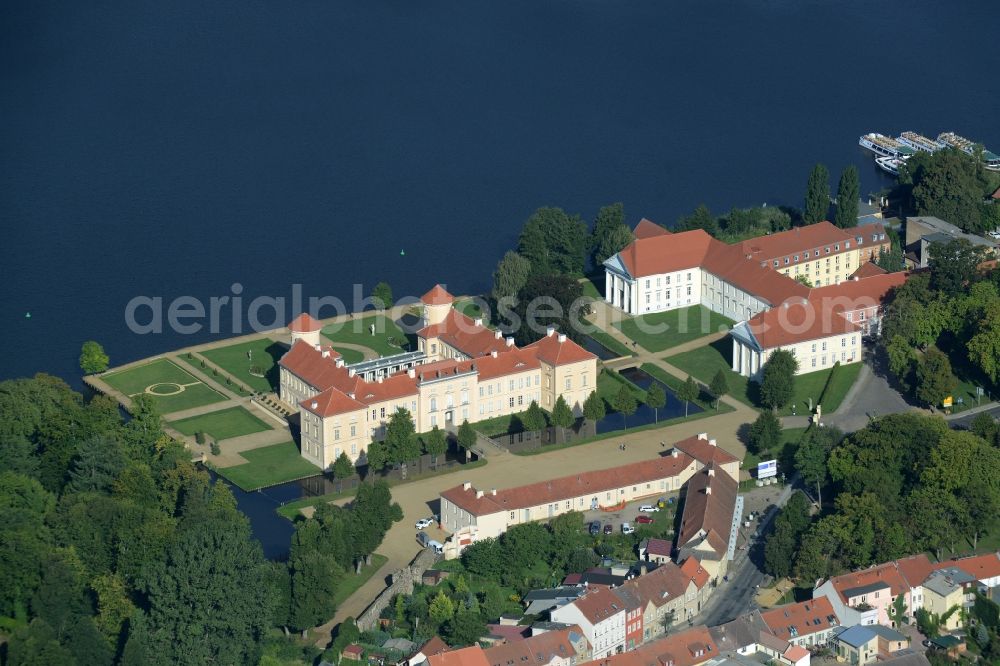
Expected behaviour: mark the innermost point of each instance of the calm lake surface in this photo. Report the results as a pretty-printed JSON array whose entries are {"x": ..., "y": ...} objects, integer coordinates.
[{"x": 173, "y": 149}]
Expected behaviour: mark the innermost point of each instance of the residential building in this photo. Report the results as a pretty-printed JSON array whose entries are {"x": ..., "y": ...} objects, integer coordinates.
[
  {"x": 690, "y": 647},
  {"x": 984, "y": 568},
  {"x": 537, "y": 602},
  {"x": 461, "y": 371},
  {"x": 805, "y": 624},
  {"x": 866, "y": 596},
  {"x": 432, "y": 647},
  {"x": 709, "y": 520},
  {"x": 945, "y": 593},
  {"x": 863, "y": 644},
  {"x": 600, "y": 616},
  {"x": 562, "y": 647},
  {"x": 923, "y": 231},
  {"x": 663, "y": 598},
  {"x": 748, "y": 281},
  {"x": 469, "y": 656},
  {"x": 656, "y": 550},
  {"x": 471, "y": 514}
]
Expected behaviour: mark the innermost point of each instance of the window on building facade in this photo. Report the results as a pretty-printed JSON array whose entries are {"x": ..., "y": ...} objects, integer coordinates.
[
  {"x": 434, "y": 420},
  {"x": 434, "y": 404},
  {"x": 569, "y": 381}
]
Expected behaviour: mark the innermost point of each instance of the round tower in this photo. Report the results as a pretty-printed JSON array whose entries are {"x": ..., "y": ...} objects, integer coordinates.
[
  {"x": 437, "y": 302},
  {"x": 305, "y": 328}
]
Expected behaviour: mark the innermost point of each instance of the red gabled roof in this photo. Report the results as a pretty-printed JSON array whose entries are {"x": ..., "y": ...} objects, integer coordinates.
[
  {"x": 659, "y": 547},
  {"x": 888, "y": 574},
  {"x": 685, "y": 648},
  {"x": 915, "y": 568},
  {"x": 708, "y": 516},
  {"x": 665, "y": 253},
  {"x": 304, "y": 324},
  {"x": 434, "y": 646},
  {"x": 798, "y": 322},
  {"x": 802, "y": 616},
  {"x": 649, "y": 229},
  {"x": 695, "y": 572},
  {"x": 555, "y": 349},
  {"x": 470, "y": 656},
  {"x": 796, "y": 241},
  {"x": 868, "y": 269},
  {"x": 599, "y": 604},
  {"x": 980, "y": 566},
  {"x": 438, "y": 295},
  {"x": 702, "y": 450},
  {"x": 330, "y": 402},
  {"x": 855, "y": 294},
  {"x": 461, "y": 332}
]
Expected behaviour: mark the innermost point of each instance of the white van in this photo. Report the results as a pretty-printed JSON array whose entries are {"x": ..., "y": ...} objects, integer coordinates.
[
  {"x": 437, "y": 546},
  {"x": 627, "y": 528}
]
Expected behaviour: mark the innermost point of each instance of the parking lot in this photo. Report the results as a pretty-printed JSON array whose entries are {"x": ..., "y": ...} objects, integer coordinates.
[{"x": 630, "y": 512}]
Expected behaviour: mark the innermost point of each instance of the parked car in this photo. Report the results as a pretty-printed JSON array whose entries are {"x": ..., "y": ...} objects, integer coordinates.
[
  {"x": 424, "y": 522},
  {"x": 423, "y": 539},
  {"x": 608, "y": 529},
  {"x": 437, "y": 546},
  {"x": 643, "y": 519},
  {"x": 627, "y": 529},
  {"x": 648, "y": 508},
  {"x": 595, "y": 528}
]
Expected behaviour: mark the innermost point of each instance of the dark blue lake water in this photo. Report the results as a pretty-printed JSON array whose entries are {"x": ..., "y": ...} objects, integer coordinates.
[{"x": 175, "y": 148}]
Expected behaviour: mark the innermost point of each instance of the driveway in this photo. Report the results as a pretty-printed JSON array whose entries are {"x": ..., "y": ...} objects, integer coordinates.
[{"x": 870, "y": 397}]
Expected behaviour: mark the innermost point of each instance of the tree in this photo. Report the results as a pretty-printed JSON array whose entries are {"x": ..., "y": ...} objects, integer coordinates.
[
  {"x": 719, "y": 386},
  {"x": 562, "y": 415},
  {"x": 401, "y": 441},
  {"x": 593, "y": 407},
  {"x": 382, "y": 296},
  {"x": 436, "y": 443},
  {"x": 554, "y": 242},
  {"x": 810, "y": 461},
  {"x": 935, "y": 380},
  {"x": 465, "y": 628},
  {"x": 342, "y": 466},
  {"x": 764, "y": 433},
  {"x": 948, "y": 184},
  {"x": 510, "y": 276},
  {"x": 207, "y": 597},
  {"x": 817, "y": 195},
  {"x": 656, "y": 398},
  {"x": 688, "y": 392},
  {"x": 610, "y": 233},
  {"x": 848, "y": 197},
  {"x": 547, "y": 300},
  {"x": 778, "y": 381},
  {"x": 953, "y": 265},
  {"x": 92, "y": 358},
  {"x": 984, "y": 425},
  {"x": 624, "y": 403},
  {"x": 97, "y": 464},
  {"x": 533, "y": 417},
  {"x": 441, "y": 609},
  {"x": 702, "y": 219},
  {"x": 892, "y": 260},
  {"x": 466, "y": 437},
  {"x": 377, "y": 455},
  {"x": 897, "y": 611},
  {"x": 983, "y": 347}
]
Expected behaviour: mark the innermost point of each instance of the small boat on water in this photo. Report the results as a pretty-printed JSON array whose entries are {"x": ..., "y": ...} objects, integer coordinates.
[
  {"x": 890, "y": 165},
  {"x": 919, "y": 142},
  {"x": 990, "y": 160},
  {"x": 884, "y": 146}
]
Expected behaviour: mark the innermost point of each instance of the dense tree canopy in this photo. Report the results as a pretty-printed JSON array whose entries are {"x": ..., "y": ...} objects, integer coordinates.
[
  {"x": 510, "y": 276},
  {"x": 554, "y": 242},
  {"x": 817, "y": 195},
  {"x": 848, "y": 198},
  {"x": 610, "y": 233},
  {"x": 777, "y": 384},
  {"x": 950, "y": 185},
  {"x": 546, "y": 300}
]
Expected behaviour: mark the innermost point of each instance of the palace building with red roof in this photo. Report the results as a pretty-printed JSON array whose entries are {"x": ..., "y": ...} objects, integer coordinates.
[
  {"x": 461, "y": 370},
  {"x": 809, "y": 289}
]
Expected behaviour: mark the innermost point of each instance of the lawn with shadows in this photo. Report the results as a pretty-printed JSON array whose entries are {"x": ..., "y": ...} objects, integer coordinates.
[
  {"x": 673, "y": 327},
  {"x": 388, "y": 339},
  {"x": 268, "y": 466},
  {"x": 223, "y": 424},
  {"x": 172, "y": 388},
  {"x": 253, "y": 363}
]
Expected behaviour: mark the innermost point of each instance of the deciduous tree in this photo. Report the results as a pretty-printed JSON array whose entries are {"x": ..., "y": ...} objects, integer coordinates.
[
  {"x": 935, "y": 380},
  {"x": 435, "y": 442},
  {"x": 466, "y": 436},
  {"x": 562, "y": 415},
  {"x": 382, "y": 296},
  {"x": 401, "y": 437},
  {"x": 610, "y": 233},
  {"x": 624, "y": 403},
  {"x": 554, "y": 242},
  {"x": 778, "y": 381},
  {"x": 688, "y": 392},
  {"x": 510, "y": 276},
  {"x": 342, "y": 466},
  {"x": 533, "y": 417},
  {"x": 593, "y": 407},
  {"x": 719, "y": 386},
  {"x": 764, "y": 433},
  {"x": 656, "y": 398},
  {"x": 92, "y": 358}
]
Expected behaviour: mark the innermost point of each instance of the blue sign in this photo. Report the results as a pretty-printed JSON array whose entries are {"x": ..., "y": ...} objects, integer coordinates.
[{"x": 767, "y": 469}]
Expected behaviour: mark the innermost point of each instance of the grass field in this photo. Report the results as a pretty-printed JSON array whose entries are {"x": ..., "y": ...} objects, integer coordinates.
[
  {"x": 135, "y": 380},
  {"x": 236, "y": 387},
  {"x": 264, "y": 354},
  {"x": 704, "y": 362},
  {"x": 658, "y": 331},
  {"x": 350, "y": 355},
  {"x": 352, "y": 582},
  {"x": 357, "y": 332},
  {"x": 469, "y": 307},
  {"x": 223, "y": 424},
  {"x": 704, "y": 400},
  {"x": 269, "y": 465},
  {"x": 610, "y": 343},
  {"x": 590, "y": 288},
  {"x": 609, "y": 383}
]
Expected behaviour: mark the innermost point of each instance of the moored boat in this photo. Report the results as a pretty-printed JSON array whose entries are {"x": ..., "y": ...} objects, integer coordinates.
[
  {"x": 919, "y": 142},
  {"x": 890, "y": 165},
  {"x": 884, "y": 146},
  {"x": 990, "y": 159}
]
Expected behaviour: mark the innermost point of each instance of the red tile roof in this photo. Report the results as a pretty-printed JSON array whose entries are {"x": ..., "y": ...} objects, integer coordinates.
[
  {"x": 536, "y": 650},
  {"x": 981, "y": 566},
  {"x": 470, "y": 656},
  {"x": 663, "y": 584},
  {"x": 659, "y": 547},
  {"x": 798, "y": 240},
  {"x": 702, "y": 450},
  {"x": 996, "y": 195},
  {"x": 567, "y": 487},
  {"x": 438, "y": 295},
  {"x": 868, "y": 269},
  {"x": 687, "y": 648},
  {"x": 708, "y": 516},
  {"x": 434, "y": 646},
  {"x": 556, "y": 349},
  {"x": 649, "y": 229},
  {"x": 888, "y": 574},
  {"x": 599, "y": 604},
  {"x": 797, "y": 322},
  {"x": 330, "y": 402},
  {"x": 915, "y": 569},
  {"x": 667, "y": 253},
  {"x": 855, "y": 294},
  {"x": 807, "y": 617},
  {"x": 461, "y": 332},
  {"x": 304, "y": 324},
  {"x": 695, "y": 572}
]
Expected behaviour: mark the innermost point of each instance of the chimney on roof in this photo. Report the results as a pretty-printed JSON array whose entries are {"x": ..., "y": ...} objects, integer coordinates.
[
  {"x": 562, "y": 337},
  {"x": 711, "y": 471},
  {"x": 466, "y": 486},
  {"x": 550, "y": 331},
  {"x": 711, "y": 442},
  {"x": 350, "y": 372},
  {"x": 411, "y": 373},
  {"x": 479, "y": 494},
  {"x": 315, "y": 404},
  {"x": 510, "y": 342},
  {"x": 493, "y": 491},
  {"x": 855, "y": 278},
  {"x": 380, "y": 378},
  {"x": 493, "y": 353},
  {"x": 326, "y": 353},
  {"x": 785, "y": 305},
  {"x": 339, "y": 362},
  {"x": 702, "y": 435},
  {"x": 497, "y": 335},
  {"x": 674, "y": 452},
  {"x": 708, "y": 490},
  {"x": 318, "y": 346},
  {"x": 439, "y": 373},
  {"x": 478, "y": 321},
  {"x": 351, "y": 395}
]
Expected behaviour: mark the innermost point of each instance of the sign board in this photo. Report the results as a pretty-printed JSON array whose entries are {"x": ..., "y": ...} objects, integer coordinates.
[
  {"x": 767, "y": 468},
  {"x": 947, "y": 402}
]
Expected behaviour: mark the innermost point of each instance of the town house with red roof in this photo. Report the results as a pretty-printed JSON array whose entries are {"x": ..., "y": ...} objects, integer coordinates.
[
  {"x": 865, "y": 596},
  {"x": 600, "y": 614},
  {"x": 461, "y": 371},
  {"x": 757, "y": 283}
]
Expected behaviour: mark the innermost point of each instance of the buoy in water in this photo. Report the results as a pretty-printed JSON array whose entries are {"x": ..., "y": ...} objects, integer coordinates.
[
  {"x": 402, "y": 253},
  {"x": 27, "y": 315}
]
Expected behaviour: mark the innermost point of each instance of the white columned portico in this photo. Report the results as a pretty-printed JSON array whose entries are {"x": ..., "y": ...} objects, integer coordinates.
[
  {"x": 736, "y": 355},
  {"x": 608, "y": 285}
]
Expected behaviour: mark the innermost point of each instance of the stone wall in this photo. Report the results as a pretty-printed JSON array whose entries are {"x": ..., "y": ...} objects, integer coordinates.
[{"x": 402, "y": 583}]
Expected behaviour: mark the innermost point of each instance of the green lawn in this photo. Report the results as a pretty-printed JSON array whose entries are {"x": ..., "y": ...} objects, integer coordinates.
[
  {"x": 470, "y": 307},
  {"x": 662, "y": 330},
  {"x": 704, "y": 400},
  {"x": 236, "y": 387},
  {"x": 350, "y": 355},
  {"x": 613, "y": 345},
  {"x": 269, "y": 465},
  {"x": 704, "y": 362},
  {"x": 264, "y": 355},
  {"x": 609, "y": 383},
  {"x": 388, "y": 338},
  {"x": 352, "y": 582},
  {"x": 590, "y": 288},
  {"x": 223, "y": 424},
  {"x": 162, "y": 371}
]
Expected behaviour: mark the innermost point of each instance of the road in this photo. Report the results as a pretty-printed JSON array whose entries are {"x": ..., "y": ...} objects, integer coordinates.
[
  {"x": 735, "y": 597},
  {"x": 965, "y": 418}
]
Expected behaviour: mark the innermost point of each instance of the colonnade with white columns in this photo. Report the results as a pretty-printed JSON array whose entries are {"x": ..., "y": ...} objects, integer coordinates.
[
  {"x": 620, "y": 292},
  {"x": 746, "y": 360}
]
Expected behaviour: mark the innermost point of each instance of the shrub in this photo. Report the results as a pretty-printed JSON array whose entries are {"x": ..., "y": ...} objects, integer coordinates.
[
  {"x": 215, "y": 448},
  {"x": 202, "y": 363},
  {"x": 199, "y": 437}
]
